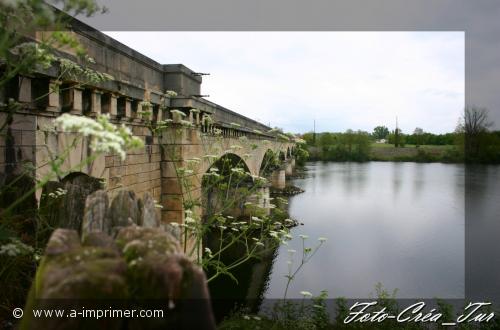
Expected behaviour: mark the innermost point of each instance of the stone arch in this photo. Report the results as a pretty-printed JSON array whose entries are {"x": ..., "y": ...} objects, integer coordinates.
[
  {"x": 222, "y": 173},
  {"x": 207, "y": 163},
  {"x": 282, "y": 155},
  {"x": 269, "y": 162}
]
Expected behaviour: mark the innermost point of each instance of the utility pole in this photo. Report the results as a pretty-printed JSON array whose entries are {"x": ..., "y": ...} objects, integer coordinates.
[
  {"x": 314, "y": 132},
  {"x": 396, "y": 134}
]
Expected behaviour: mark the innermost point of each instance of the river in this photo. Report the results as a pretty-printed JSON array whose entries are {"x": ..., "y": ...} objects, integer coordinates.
[{"x": 400, "y": 224}]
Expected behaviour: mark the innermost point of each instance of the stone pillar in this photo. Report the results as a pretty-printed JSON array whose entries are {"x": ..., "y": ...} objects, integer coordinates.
[
  {"x": 288, "y": 168},
  {"x": 176, "y": 117},
  {"x": 128, "y": 109},
  {"x": 25, "y": 89},
  {"x": 113, "y": 106},
  {"x": 278, "y": 179},
  {"x": 159, "y": 116},
  {"x": 54, "y": 102},
  {"x": 135, "y": 107},
  {"x": 95, "y": 103},
  {"x": 77, "y": 101}
]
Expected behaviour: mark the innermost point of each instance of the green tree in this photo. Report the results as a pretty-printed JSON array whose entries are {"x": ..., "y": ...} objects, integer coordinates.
[
  {"x": 418, "y": 133},
  {"x": 380, "y": 132}
]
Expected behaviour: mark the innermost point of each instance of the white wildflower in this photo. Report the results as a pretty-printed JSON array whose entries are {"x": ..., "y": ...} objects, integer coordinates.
[
  {"x": 104, "y": 136},
  {"x": 177, "y": 112},
  {"x": 306, "y": 294},
  {"x": 273, "y": 234},
  {"x": 171, "y": 94},
  {"x": 15, "y": 248}
]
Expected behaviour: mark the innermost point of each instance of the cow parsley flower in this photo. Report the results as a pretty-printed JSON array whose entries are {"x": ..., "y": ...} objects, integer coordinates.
[
  {"x": 171, "y": 94},
  {"x": 306, "y": 294},
  {"x": 104, "y": 136},
  {"x": 177, "y": 112},
  {"x": 15, "y": 248}
]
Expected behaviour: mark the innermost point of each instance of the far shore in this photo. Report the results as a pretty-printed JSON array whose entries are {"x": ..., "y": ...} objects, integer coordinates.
[{"x": 412, "y": 153}]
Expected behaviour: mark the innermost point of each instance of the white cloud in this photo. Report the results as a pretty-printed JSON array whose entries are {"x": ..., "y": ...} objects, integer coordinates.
[{"x": 343, "y": 80}]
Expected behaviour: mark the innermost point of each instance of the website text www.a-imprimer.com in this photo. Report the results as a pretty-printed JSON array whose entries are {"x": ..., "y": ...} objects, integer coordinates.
[{"x": 93, "y": 313}]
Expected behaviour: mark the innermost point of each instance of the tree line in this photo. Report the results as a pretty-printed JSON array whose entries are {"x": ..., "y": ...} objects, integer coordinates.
[{"x": 472, "y": 141}]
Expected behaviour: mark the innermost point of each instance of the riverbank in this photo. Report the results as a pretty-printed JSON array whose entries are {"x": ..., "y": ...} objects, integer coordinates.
[
  {"x": 412, "y": 153},
  {"x": 389, "y": 153}
]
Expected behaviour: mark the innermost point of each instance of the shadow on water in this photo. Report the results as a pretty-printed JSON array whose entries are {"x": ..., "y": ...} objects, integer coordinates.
[
  {"x": 245, "y": 287},
  {"x": 252, "y": 281}
]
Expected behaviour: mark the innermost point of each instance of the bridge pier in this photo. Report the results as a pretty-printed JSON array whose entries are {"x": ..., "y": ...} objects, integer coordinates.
[{"x": 278, "y": 179}]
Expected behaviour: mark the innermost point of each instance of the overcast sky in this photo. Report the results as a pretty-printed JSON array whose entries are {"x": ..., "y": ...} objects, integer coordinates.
[{"x": 342, "y": 80}]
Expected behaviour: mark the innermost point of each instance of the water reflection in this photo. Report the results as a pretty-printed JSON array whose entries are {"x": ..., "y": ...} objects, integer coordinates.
[{"x": 401, "y": 224}]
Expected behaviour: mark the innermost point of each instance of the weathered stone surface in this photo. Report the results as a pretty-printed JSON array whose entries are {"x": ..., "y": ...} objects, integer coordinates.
[
  {"x": 175, "y": 279},
  {"x": 99, "y": 239},
  {"x": 62, "y": 241},
  {"x": 175, "y": 231},
  {"x": 125, "y": 209},
  {"x": 140, "y": 264},
  {"x": 71, "y": 274},
  {"x": 136, "y": 242},
  {"x": 95, "y": 216},
  {"x": 149, "y": 216},
  {"x": 66, "y": 209}
]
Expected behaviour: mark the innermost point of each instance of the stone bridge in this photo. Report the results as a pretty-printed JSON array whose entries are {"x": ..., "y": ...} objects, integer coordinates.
[{"x": 200, "y": 130}]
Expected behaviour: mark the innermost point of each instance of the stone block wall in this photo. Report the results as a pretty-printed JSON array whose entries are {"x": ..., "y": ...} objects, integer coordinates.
[{"x": 28, "y": 135}]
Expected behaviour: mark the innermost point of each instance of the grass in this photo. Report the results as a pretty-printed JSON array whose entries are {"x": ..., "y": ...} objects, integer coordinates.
[{"x": 387, "y": 152}]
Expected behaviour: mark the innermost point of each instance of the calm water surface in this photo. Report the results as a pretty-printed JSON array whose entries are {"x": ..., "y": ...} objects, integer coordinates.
[{"x": 401, "y": 224}]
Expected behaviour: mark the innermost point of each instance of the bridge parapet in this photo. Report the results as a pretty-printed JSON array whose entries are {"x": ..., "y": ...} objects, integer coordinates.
[{"x": 137, "y": 95}]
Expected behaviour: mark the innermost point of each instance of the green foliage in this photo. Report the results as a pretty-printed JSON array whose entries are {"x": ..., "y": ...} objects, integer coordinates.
[
  {"x": 397, "y": 138},
  {"x": 426, "y": 138},
  {"x": 301, "y": 154},
  {"x": 348, "y": 146},
  {"x": 380, "y": 132}
]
